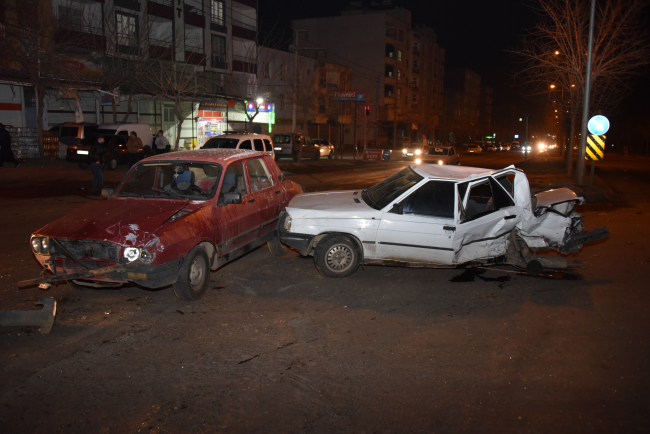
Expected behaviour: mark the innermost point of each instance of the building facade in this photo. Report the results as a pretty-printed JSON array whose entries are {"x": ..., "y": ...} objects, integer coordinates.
[{"x": 462, "y": 105}]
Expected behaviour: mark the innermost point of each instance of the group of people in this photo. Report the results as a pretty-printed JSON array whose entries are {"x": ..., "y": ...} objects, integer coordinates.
[
  {"x": 159, "y": 145},
  {"x": 6, "y": 154}
]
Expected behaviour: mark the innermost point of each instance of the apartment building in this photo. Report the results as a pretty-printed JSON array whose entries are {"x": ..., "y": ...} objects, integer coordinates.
[
  {"x": 462, "y": 105},
  {"x": 389, "y": 62},
  {"x": 216, "y": 40}
]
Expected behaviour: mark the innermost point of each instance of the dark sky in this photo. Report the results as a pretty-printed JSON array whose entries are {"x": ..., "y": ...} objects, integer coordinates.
[{"x": 475, "y": 33}]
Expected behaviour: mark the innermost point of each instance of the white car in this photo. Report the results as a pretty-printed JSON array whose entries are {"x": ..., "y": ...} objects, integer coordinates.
[
  {"x": 415, "y": 150},
  {"x": 474, "y": 149},
  {"x": 439, "y": 155},
  {"x": 325, "y": 148},
  {"x": 437, "y": 216},
  {"x": 255, "y": 142}
]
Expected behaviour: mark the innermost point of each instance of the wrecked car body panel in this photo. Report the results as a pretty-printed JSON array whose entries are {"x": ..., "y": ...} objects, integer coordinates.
[{"x": 436, "y": 215}]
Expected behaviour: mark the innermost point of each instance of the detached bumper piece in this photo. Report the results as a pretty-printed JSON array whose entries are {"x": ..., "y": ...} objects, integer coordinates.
[
  {"x": 583, "y": 238},
  {"x": 44, "y": 318}
]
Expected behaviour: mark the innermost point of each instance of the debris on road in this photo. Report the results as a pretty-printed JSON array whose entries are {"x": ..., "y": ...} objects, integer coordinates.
[{"x": 43, "y": 318}]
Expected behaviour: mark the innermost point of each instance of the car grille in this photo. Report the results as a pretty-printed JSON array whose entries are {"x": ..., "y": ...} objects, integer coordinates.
[
  {"x": 88, "y": 249},
  {"x": 71, "y": 264}
]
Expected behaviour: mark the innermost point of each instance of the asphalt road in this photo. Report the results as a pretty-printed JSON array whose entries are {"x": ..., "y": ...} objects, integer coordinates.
[{"x": 276, "y": 347}]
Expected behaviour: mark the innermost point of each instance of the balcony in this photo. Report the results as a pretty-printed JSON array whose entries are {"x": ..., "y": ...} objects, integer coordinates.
[
  {"x": 194, "y": 57},
  {"x": 194, "y": 16},
  {"x": 161, "y": 8},
  {"x": 249, "y": 3},
  {"x": 160, "y": 49},
  {"x": 244, "y": 64},
  {"x": 78, "y": 35},
  {"x": 244, "y": 30},
  {"x": 133, "y": 5},
  {"x": 219, "y": 62}
]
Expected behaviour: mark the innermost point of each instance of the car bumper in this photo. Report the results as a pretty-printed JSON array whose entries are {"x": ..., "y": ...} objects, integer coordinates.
[{"x": 301, "y": 242}]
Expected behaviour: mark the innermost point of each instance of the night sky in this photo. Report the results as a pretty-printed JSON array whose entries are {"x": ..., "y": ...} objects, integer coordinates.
[{"x": 476, "y": 34}]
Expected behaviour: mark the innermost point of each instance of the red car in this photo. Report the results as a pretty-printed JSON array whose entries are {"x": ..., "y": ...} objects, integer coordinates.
[{"x": 173, "y": 218}]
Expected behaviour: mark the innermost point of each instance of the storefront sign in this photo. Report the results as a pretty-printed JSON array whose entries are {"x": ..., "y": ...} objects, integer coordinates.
[
  {"x": 349, "y": 95},
  {"x": 373, "y": 154},
  {"x": 264, "y": 107}
]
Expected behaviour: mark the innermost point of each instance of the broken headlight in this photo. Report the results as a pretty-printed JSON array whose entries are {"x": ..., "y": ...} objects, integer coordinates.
[
  {"x": 41, "y": 245},
  {"x": 145, "y": 256},
  {"x": 287, "y": 223},
  {"x": 132, "y": 254}
]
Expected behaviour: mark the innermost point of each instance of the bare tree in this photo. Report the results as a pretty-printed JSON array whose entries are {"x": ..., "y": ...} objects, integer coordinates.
[
  {"x": 555, "y": 53},
  {"x": 368, "y": 117},
  {"x": 40, "y": 47}
]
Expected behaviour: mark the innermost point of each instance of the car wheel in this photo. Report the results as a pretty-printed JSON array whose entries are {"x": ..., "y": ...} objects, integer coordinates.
[
  {"x": 337, "y": 256},
  {"x": 316, "y": 156},
  {"x": 297, "y": 155},
  {"x": 330, "y": 155},
  {"x": 194, "y": 276},
  {"x": 112, "y": 164},
  {"x": 83, "y": 165},
  {"x": 276, "y": 247}
]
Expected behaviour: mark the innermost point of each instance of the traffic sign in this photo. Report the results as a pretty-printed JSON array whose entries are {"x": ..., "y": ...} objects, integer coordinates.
[
  {"x": 598, "y": 125},
  {"x": 595, "y": 150}
]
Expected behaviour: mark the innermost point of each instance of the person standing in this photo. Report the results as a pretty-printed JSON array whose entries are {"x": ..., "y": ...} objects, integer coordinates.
[
  {"x": 134, "y": 145},
  {"x": 6, "y": 154},
  {"x": 161, "y": 143},
  {"x": 96, "y": 155}
]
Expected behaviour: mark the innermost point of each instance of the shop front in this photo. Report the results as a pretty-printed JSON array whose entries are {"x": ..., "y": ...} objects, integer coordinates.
[{"x": 211, "y": 121}]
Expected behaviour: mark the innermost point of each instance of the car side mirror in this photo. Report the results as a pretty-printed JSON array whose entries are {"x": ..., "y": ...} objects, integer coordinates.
[
  {"x": 398, "y": 208},
  {"x": 107, "y": 192},
  {"x": 231, "y": 198}
]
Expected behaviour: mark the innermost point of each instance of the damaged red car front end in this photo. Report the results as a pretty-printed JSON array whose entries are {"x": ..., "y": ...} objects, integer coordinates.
[{"x": 170, "y": 221}]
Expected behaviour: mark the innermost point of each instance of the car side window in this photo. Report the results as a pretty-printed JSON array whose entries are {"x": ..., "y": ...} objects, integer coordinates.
[
  {"x": 259, "y": 174},
  {"x": 507, "y": 180},
  {"x": 268, "y": 145},
  {"x": 234, "y": 180},
  {"x": 452, "y": 151},
  {"x": 259, "y": 145},
  {"x": 435, "y": 199},
  {"x": 246, "y": 144},
  {"x": 480, "y": 201}
]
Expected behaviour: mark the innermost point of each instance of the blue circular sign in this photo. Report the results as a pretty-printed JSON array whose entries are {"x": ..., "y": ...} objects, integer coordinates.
[{"x": 598, "y": 125}]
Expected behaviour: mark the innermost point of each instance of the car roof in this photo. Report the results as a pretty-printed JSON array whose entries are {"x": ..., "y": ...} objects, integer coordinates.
[
  {"x": 223, "y": 156},
  {"x": 239, "y": 136},
  {"x": 450, "y": 172}
]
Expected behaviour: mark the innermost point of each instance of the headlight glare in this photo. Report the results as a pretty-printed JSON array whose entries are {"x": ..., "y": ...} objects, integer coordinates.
[
  {"x": 440, "y": 162},
  {"x": 132, "y": 253},
  {"x": 418, "y": 161},
  {"x": 418, "y": 152}
]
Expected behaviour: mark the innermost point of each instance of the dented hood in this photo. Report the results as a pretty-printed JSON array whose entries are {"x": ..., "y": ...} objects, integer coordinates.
[
  {"x": 124, "y": 221},
  {"x": 557, "y": 195},
  {"x": 330, "y": 204}
]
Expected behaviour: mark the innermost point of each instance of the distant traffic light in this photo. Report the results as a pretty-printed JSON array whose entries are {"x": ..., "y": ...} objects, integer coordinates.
[{"x": 367, "y": 110}]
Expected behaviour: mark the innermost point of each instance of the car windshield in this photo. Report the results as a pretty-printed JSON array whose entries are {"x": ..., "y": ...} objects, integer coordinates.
[
  {"x": 380, "y": 195},
  {"x": 281, "y": 139},
  {"x": 438, "y": 151},
  {"x": 173, "y": 180},
  {"x": 224, "y": 143}
]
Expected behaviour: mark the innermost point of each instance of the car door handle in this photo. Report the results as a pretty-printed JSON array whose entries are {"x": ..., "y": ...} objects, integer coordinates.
[
  {"x": 508, "y": 217},
  {"x": 252, "y": 200},
  {"x": 449, "y": 228}
]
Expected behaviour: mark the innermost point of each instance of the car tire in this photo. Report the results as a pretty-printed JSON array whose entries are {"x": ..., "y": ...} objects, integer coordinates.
[
  {"x": 337, "y": 256},
  {"x": 330, "y": 155},
  {"x": 83, "y": 165},
  {"x": 534, "y": 267},
  {"x": 297, "y": 155},
  {"x": 194, "y": 276},
  {"x": 276, "y": 247},
  {"x": 316, "y": 156},
  {"x": 111, "y": 164}
]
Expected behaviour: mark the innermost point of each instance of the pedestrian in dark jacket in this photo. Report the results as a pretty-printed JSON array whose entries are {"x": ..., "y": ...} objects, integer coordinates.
[
  {"x": 6, "y": 154},
  {"x": 96, "y": 155},
  {"x": 134, "y": 145}
]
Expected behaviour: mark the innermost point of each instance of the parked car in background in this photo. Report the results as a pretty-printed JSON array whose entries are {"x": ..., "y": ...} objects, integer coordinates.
[
  {"x": 415, "y": 150},
  {"x": 173, "y": 218},
  {"x": 255, "y": 142},
  {"x": 294, "y": 145},
  {"x": 514, "y": 145},
  {"x": 490, "y": 148},
  {"x": 72, "y": 133},
  {"x": 474, "y": 149},
  {"x": 441, "y": 155},
  {"x": 326, "y": 149},
  {"x": 437, "y": 216},
  {"x": 505, "y": 146}
]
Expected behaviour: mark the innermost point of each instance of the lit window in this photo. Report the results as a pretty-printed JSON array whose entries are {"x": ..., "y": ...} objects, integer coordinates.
[
  {"x": 127, "y": 30},
  {"x": 217, "y": 12}
]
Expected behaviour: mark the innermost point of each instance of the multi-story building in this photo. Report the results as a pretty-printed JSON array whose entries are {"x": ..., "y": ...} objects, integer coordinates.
[
  {"x": 462, "y": 105},
  {"x": 379, "y": 45},
  {"x": 213, "y": 42},
  {"x": 485, "y": 120}
]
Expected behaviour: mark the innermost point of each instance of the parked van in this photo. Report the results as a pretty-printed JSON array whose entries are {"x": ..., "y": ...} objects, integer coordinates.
[
  {"x": 142, "y": 130},
  {"x": 294, "y": 145},
  {"x": 72, "y": 133},
  {"x": 255, "y": 142}
]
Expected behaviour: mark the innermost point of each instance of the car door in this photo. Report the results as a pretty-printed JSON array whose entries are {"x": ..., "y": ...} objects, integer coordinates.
[
  {"x": 263, "y": 192},
  {"x": 487, "y": 216},
  {"x": 423, "y": 232},
  {"x": 240, "y": 221}
]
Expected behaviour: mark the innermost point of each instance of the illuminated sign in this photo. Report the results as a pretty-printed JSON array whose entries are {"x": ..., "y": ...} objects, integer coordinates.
[
  {"x": 349, "y": 95},
  {"x": 264, "y": 107}
]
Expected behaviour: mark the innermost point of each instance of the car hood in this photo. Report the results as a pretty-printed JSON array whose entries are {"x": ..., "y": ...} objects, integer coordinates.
[
  {"x": 330, "y": 204},
  {"x": 123, "y": 221},
  {"x": 551, "y": 197}
]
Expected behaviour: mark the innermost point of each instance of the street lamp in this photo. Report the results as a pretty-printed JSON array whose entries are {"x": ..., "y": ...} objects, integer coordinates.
[
  {"x": 259, "y": 101},
  {"x": 552, "y": 86}
]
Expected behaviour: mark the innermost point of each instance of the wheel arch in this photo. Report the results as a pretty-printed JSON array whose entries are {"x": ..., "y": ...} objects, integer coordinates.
[{"x": 325, "y": 235}]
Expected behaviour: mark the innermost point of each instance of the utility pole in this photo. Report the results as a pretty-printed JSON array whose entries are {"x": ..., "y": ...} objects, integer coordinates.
[{"x": 580, "y": 169}]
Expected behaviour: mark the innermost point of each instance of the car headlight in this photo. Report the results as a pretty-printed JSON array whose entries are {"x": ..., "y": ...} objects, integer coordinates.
[
  {"x": 132, "y": 254},
  {"x": 440, "y": 162},
  {"x": 403, "y": 151},
  {"x": 45, "y": 245},
  {"x": 36, "y": 245},
  {"x": 418, "y": 152},
  {"x": 418, "y": 161},
  {"x": 145, "y": 256},
  {"x": 41, "y": 245},
  {"x": 287, "y": 223}
]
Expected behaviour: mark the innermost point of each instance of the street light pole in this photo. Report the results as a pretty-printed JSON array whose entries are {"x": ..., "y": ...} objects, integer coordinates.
[{"x": 580, "y": 169}]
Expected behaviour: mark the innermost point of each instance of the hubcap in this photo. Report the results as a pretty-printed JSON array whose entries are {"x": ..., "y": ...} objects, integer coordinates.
[
  {"x": 196, "y": 272},
  {"x": 339, "y": 257}
]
